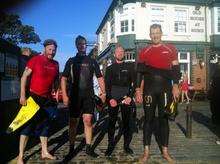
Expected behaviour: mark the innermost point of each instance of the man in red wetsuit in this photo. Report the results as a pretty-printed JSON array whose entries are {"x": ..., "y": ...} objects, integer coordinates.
[
  {"x": 43, "y": 72},
  {"x": 158, "y": 72}
]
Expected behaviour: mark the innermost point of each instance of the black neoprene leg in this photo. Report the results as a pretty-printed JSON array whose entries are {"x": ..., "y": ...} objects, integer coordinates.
[
  {"x": 126, "y": 118},
  {"x": 149, "y": 114},
  {"x": 163, "y": 120},
  {"x": 113, "y": 115}
]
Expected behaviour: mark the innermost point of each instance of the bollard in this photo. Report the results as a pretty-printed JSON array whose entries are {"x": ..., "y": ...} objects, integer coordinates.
[{"x": 189, "y": 120}]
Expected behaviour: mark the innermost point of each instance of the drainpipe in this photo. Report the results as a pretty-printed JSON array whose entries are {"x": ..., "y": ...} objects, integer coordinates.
[
  {"x": 206, "y": 52},
  {"x": 206, "y": 40}
]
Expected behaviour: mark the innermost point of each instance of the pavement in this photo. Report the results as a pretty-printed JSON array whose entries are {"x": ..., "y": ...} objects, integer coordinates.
[{"x": 201, "y": 148}]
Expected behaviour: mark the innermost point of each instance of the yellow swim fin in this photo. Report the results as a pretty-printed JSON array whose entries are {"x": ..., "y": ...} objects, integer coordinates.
[{"x": 24, "y": 115}]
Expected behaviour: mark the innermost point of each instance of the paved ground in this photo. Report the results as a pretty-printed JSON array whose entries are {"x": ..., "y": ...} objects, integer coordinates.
[{"x": 200, "y": 149}]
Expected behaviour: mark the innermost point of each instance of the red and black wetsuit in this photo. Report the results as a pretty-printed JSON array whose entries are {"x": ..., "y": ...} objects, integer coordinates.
[{"x": 157, "y": 62}]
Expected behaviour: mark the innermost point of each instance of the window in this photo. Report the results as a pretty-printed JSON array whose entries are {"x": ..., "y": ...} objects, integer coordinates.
[
  {"x": 184, "y": 62},
  {"x": 124, "y": 26},
  {"x": 183, "y": 67},
  {"x": 129, "y": 56},
  {"x": 158, "y": 16},
  {"x": 218, "y": 20},
  {"x": 180, "y": 26},
  {"x": 132, "y": 25},
  {"x": 112, "y": 29},
  {"x": 180, "y": 22},
  {"x": 183, "y": 56}
]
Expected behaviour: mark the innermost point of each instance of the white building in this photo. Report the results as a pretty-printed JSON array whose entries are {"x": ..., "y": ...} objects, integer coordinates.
[{"x": 193, "y": 26}]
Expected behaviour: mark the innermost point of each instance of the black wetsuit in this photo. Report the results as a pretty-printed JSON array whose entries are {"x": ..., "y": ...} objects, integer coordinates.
[
  {"x": 80, "y": 69},
  {"x": 214, "y": 97},
  {"x": 119, "y": 80}
]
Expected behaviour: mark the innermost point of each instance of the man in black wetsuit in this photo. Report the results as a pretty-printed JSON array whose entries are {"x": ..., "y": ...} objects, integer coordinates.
[
  {"x": 119, "y": 80},
  {"x": 215, "y": 94},
  {"x": 80, "y": 69},
  {"x": 158, "y": 70}
]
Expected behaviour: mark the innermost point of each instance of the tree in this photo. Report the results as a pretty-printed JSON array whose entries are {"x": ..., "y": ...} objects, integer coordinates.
[{"x": 12, "y": 30}]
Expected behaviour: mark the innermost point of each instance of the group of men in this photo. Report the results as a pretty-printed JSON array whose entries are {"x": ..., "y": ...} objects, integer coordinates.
[{"x": 154, "y": 83}]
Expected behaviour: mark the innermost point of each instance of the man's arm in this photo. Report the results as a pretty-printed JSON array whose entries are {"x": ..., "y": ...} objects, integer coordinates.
[
  {"x": 27, "y": 72},
  {"x": 108, "y": 79},
  {"x": 56, "y": 88},
  {"x": 64, "y": 78},
  {"x": 64, "y": 90},
  {"x": 139, "y": 82}
]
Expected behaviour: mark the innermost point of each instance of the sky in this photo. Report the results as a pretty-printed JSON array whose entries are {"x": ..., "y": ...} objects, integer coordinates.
[{"x": 62, "y": 20}]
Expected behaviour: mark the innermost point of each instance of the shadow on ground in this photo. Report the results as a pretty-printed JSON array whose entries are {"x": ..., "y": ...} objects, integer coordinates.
[
  {"x": 10, "y": 142},
  {"x": 206, "y": 121}
]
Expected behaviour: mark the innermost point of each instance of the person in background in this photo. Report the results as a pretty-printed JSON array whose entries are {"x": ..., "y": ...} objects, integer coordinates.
[
  {"x": 214, "y": 94},
  {"x": 80, "y": 69},
  {"x": 25, "y": 56},
  {"x": 185, "y": 88},
  {"x": 158, "y": 70},
  {"x": 120, "y": 79},
  {"x": 43, "y": 71}
]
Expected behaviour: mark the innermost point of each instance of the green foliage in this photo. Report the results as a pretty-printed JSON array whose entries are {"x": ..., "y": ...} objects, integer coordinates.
[{"x": 12, "y": 30}]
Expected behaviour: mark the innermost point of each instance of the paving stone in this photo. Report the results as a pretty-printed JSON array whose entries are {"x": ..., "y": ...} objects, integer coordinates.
[{"x": 200, "y": 149}]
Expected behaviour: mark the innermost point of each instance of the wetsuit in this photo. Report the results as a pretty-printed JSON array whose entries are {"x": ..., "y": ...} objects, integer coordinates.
[
  {"x": 44, "y": 73},
  {"x": 80, "y": 69},
  {"x": 155, "y": 64},
  {"x": 119, "y": 79}
]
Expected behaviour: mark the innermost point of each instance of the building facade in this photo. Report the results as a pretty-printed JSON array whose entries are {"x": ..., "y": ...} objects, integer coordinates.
[{"x": 193, "y": 26}]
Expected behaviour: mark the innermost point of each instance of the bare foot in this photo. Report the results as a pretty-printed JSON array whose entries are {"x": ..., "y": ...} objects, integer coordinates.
[
  {"x": 20, "y": 160},
  {"x": 144, "y": 158},
  {"x": 48, "y": 156},
  {"x": 167, "y": 157}
]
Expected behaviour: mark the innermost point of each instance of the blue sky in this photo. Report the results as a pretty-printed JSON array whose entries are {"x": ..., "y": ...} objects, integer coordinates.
[{"x": 63, "y": 20}]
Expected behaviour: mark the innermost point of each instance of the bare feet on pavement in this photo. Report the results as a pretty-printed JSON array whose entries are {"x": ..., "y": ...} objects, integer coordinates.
[
  {"x": 48, "y": 156},
  {"x": 144, "y": 158}
]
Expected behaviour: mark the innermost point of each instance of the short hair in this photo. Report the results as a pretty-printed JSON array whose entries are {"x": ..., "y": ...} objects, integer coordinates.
[
  {"x": 50, "y": 42},
  {"x": 78, "y": 38},
  {"x": 25, "y": 49},
  {"x": 153, "y": 26},
  {"x": 117, "y": 45}
]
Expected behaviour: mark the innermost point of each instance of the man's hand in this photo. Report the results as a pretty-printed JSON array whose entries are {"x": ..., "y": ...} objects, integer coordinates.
[
  {"x": 175, "y": 92},
  {"x": 65, "y": 100},
  {"x": 102, "y": 97},
  {"x": 127, "y": 101},
  {"x": 113, "y": 103},
  {"x": 138, "y": 96},
  {"x": 23, "y": 100}
]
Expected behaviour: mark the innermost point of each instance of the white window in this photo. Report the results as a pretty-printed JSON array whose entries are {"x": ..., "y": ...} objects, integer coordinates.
[
  {"x": 124, "y": 26},
  {"x": 180, "y": 21},
  {"x": 129, "y": 56},
  {"x": 158, "y": 16},
  {"x": 218, "y": 25},
  {"x": 184, "y": 62},
  {"x": 132, "y": 25},
  {"x": 112, "y": 28}
]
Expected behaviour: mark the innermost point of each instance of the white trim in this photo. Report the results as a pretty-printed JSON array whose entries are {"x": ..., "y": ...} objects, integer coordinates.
[{"x": 185, "y": 61}]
